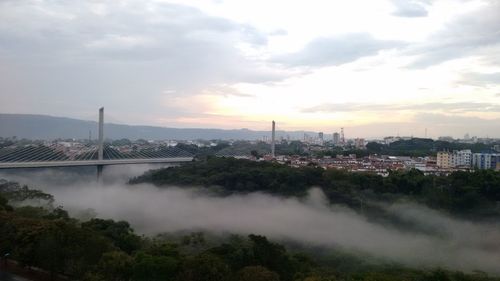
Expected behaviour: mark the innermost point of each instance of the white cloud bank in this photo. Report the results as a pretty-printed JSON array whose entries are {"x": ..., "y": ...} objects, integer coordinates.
[{"x": 455, "y": 244}]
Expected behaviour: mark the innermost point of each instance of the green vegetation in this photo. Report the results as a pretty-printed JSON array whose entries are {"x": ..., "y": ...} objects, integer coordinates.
[
  {"x": 460, "y": 193},
  {"x": 46, "y": 237},
  {"x": 415, "y": 147},
  {"x": 98, "y": 249},
  {"x": 235, "y": 175},
  {"x": 202, "y": 152},
  {"x": 246, "y": 148},
  {"x": 110, "y": 250},
  {"x": 421, "y": 147}
]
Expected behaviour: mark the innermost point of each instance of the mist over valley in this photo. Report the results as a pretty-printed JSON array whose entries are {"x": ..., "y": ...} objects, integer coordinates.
[{"x": 435, "y": 239}]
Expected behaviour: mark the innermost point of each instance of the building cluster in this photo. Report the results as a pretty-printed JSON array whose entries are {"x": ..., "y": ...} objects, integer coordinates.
[
  {"x": 486, "y": 161},
  {"x": 465, "y": 159},
  {"x": 455, "y": 159},
  {"x": 379, "y": 164}
]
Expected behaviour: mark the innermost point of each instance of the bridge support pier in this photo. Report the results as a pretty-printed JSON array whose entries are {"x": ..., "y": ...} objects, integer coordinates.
[
  {"x": 99, "y": 173},
  {"x": 100, "y": 152}
]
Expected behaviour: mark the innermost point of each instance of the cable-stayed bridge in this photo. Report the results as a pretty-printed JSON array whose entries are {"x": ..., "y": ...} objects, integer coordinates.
[
  {"x": 57, "y": 155},
  {"x": 46, "y": 154}
]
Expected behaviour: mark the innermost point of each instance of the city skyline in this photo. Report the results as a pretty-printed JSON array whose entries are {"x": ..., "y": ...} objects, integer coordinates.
[{"x": 377, "y": 68}]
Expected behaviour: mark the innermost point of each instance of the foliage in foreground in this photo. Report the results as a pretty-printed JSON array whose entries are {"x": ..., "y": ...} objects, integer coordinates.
[{"x": 98, "y": 249}]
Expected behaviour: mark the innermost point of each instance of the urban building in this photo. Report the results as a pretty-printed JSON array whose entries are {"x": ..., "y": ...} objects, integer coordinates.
[
  {"x": 484, "y": 161},
  {"x": 360, "y": 143},
  {"x": 446, "y": 138},
  {"x": 336, "y": 138},
  {"x": 462, "y": 158},
  {"x": 455, "y": 159},
  {"x": 389, "y": 140},
  {"x": 443, "y": 159}
]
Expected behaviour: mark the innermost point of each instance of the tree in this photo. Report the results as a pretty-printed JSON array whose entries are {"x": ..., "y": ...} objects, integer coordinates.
[
  {"x": 205, "y": 267},
  {"x": 4, "y": 206},
  {"x": 374, "y": 147},
  {"x": 115, "y": 266},
  {"x": 255, "y": 154},
  {"x": 119, "y": 232},
  {"x": 154, "y": 268},
  {"x": 257, "y": 273},
  {"x": 272, "y": 256}
]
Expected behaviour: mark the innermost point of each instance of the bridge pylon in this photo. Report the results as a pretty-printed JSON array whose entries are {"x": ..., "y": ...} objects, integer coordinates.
[
  {"x": 100, "y": 168},
  {"x": 101, "y": 144}
]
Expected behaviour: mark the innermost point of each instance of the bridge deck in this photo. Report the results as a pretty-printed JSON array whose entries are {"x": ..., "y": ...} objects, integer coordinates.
[{"x": 76, "y": 163}]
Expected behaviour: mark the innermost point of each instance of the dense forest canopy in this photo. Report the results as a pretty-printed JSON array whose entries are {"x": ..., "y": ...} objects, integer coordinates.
[
  {"x": 422, "y": 147},
  {"x": 102, "y": 249},
  {"x": 461, "y": 193}
]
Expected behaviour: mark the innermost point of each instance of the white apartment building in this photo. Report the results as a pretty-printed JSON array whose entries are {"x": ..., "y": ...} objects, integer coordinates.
[
  {"x": 486, "y": 161},
  {"x": 455, "y": 159},
  {"x": 462, "y": 158}
]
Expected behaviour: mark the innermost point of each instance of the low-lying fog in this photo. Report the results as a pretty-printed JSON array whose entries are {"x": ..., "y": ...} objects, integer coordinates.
[{"x": 455, "y": 244}]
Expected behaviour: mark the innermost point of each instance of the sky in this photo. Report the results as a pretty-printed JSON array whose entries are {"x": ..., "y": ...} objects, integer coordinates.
[{"x": 376, "y": 68}]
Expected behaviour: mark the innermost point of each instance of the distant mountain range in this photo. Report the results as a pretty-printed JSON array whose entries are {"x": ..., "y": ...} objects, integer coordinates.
[{"x": 48, "y": 127}]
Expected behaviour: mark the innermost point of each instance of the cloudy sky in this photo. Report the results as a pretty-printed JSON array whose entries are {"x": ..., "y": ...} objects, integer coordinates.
[{"x": 378, "y": 67}]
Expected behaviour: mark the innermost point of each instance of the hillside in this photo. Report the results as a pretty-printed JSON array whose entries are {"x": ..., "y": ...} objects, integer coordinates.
[{"x": 49, "y": 127}]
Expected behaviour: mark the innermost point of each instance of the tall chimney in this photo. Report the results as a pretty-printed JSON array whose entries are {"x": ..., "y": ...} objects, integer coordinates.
[
  {"x": 273, "y": 139},
  {"x": 101, "y": 133}
]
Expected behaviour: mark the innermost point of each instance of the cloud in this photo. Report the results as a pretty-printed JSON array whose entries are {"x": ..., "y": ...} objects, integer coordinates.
[
  {"x": 458, "y": 120},
  {"x": 452, "y": 107},
  {"x": 480, "y": 79},
  {"x": 451, "y": 243},
  {"x": 79, "y": 55},
  {"x": 434, "y": 240},
  {"x": 410, "y": 8},
  {"x": 336, "y": 50},
  {"x": 439, "y": 119},
  {"x": 457, "y": 125},
  {"x": 473, "y": 34},
  {"x": 278, "y": 32}
]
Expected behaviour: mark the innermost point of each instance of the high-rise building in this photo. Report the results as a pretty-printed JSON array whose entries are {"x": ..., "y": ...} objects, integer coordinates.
[
  {"x": 320, "y": 136},
  {"x": 486, "y": 161},
  {"x": 359, "y": 143},
  {"x": 443, "y": 159},
  {"x": 462, "y": 158},
  {"x": 336, "y": 138},
  {"x": 455, "y": 159}
]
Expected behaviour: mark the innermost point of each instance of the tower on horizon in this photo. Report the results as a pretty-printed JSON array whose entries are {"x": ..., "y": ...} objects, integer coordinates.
[
  {"x": 101, "y": 134},
  {"x": 273, "y": 139},
  {"x": 342, "y": 137}
]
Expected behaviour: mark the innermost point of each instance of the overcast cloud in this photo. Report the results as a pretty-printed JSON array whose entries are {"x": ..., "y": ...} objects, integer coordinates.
[
  {"x": 223, "y": 64},
  {"x": 337, "y": 50},
  {"x": 410, "y": 8}
]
